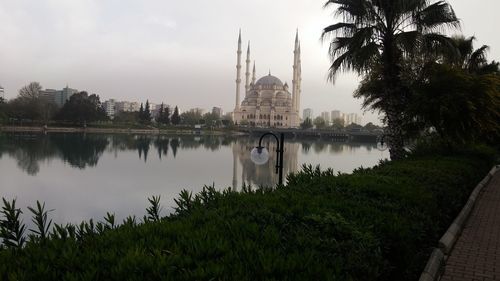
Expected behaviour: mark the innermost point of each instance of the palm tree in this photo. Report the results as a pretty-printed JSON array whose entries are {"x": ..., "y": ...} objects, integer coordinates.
[
  {"x": 474, "y": 61},
  {"x": 374, "y": 39}
]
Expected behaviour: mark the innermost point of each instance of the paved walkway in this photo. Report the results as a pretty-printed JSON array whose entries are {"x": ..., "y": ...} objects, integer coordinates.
[{"x": 476, "y": 255}]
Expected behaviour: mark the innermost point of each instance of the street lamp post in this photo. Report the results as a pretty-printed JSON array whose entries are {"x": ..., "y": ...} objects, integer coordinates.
[{"x": 260, "y": 155}]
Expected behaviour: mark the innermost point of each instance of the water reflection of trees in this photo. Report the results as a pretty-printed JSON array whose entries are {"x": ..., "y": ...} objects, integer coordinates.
[
  {"x": 84, "y": 150},
  {"x": 30, "y": 150},
  {"x": 80, "y": 151}
]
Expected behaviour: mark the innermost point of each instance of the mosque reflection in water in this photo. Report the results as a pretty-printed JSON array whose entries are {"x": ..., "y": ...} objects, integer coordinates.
[{"x": 82, "y": 151}]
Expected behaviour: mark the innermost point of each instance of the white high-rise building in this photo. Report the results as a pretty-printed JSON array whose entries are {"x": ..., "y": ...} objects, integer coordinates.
[
  {"x": 61, "y": 97},
  {"x": 358, "y": 120},
  {"x": 308, "y": 113},
  {"x": 326, "y": 116},
  {"x": 336, "y": 114},
  {"x": 352, "y": 118},
  {"x": 2, "y": 92},
  {"x": 267, "y": 101},
  {"x": 110, "y": 108}
]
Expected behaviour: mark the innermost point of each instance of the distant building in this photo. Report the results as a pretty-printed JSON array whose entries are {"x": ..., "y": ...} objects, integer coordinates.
[
  {"x": 127, "y": 106},
  {"x": 134, "y": 106},
  {"x": 155, "y": 108},
  {"x": 336, "y": 114},
  {"x": 267, "y": 102},
  {"x": 2, "y": 92},
  {"x": 326, "y": 116},
  {"x": 110, "y": 108},
  {"x": 48, "y": 95},
  {"x": 59, "y": 97},
  {"x": 352, "y": 118},
  {"x": 308, "y": 113},
  {"x": 217, "y": 111},
  {"x": 122, "y": 106},
  {"x": 197, "y": 110}
]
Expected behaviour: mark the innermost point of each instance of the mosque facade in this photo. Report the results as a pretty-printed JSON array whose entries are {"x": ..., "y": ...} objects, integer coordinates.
[{"x": 267, "y": 102}]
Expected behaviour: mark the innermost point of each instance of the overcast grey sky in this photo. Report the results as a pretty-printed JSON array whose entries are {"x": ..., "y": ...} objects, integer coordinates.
[{"x": 184, "y": 52}]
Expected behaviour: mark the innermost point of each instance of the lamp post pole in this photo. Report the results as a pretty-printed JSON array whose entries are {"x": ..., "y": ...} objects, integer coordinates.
[{"x": 279, "y": 153}]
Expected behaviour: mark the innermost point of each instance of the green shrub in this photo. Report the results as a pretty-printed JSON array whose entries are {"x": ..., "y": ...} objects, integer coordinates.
[{"x": 375, "y": 224}]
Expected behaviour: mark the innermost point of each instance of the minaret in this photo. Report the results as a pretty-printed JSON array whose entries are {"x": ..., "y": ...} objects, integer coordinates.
[
  {"x": 247, "y": 73},
  {"x": 238, "y": 74},
  {"x": 295, "y": 79},
  {"x": 299, "y": 84},
  {"x": 253, "y": 73}
]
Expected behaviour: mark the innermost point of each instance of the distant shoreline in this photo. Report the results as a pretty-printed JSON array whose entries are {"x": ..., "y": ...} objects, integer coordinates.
[{"x": 183, "y": 131}]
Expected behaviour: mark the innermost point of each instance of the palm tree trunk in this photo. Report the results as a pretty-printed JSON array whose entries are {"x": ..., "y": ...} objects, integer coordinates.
[
  {"x": 394, "y": 95},
  {"x": 395, "y": 133}
]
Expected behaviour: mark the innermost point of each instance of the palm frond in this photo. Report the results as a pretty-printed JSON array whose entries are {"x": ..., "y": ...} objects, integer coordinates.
[
  {"x": 339, "y": 28},
  {"x": 477, "y": 59},
  {"x": 436, "y": 44},
  {"x": 436, "y": 17}
]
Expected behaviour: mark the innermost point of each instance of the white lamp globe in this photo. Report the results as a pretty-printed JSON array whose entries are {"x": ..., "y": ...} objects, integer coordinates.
[
  {"x": 382, "y": 146},
  {"x": 259, "y": 155}
]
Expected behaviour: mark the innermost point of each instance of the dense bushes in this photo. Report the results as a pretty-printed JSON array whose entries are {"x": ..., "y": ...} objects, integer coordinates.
[{"x": 376, "y": 224}]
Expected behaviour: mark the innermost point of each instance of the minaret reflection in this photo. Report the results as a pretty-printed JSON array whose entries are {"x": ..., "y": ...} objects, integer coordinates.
[
  {"x": 263, "y": 175},
  {"x": 235, "y": 168}
]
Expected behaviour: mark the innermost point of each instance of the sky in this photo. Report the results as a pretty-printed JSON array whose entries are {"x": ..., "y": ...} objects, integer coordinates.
[{"x": 184, "y": 52}]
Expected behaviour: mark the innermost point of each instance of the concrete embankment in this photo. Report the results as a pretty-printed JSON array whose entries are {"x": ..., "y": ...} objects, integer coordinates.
[{"x": 112, "y": 130}]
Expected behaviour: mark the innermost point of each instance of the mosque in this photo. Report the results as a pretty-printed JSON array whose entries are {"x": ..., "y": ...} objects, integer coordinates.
[{"x": 268, "y": 101}]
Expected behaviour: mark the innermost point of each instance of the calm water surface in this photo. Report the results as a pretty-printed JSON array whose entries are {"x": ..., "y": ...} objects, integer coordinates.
[{"x": 85, "y": 176}]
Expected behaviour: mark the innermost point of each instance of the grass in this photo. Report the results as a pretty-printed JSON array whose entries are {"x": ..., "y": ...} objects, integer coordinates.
[{"x": 375, "y": 224}]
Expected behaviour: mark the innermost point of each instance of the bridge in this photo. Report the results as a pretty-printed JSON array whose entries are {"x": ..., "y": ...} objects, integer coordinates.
[{"x": 332, "y": 135}]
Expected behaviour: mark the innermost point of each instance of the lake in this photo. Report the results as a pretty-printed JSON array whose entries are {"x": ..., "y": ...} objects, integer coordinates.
[{"x": 83, "y": 176}]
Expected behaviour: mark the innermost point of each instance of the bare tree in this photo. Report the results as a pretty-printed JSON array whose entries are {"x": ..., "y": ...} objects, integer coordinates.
[{"x": 30, "y": 91}]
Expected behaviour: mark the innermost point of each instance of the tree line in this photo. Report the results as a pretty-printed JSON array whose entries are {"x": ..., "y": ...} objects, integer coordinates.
[{"x": 82, "y": 108}]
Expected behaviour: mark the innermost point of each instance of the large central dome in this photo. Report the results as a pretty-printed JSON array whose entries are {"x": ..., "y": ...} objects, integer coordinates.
[{"x": 269, "y": 80}]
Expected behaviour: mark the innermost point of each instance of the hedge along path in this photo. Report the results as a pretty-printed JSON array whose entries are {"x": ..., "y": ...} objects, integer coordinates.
[{"x": 476, "y": 253}]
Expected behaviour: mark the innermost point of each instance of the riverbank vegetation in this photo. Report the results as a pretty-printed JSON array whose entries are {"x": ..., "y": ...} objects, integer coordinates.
[{"x": 375, "y": 224}]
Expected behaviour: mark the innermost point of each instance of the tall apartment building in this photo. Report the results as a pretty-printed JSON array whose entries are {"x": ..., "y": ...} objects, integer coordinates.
[
  {"x": 336, "y": 114},
  {"x": 308, "y": 113},
  {"x": 48, "y": 95},
  {"x": 59, "y": 97},
  {"x": 110, "y": 108},
  {"x": 352, "y": 118},
  {"x": 2, "y": 92},
  {"x": 217, "y": 111},
  {"x": 326, "y": 116}
]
